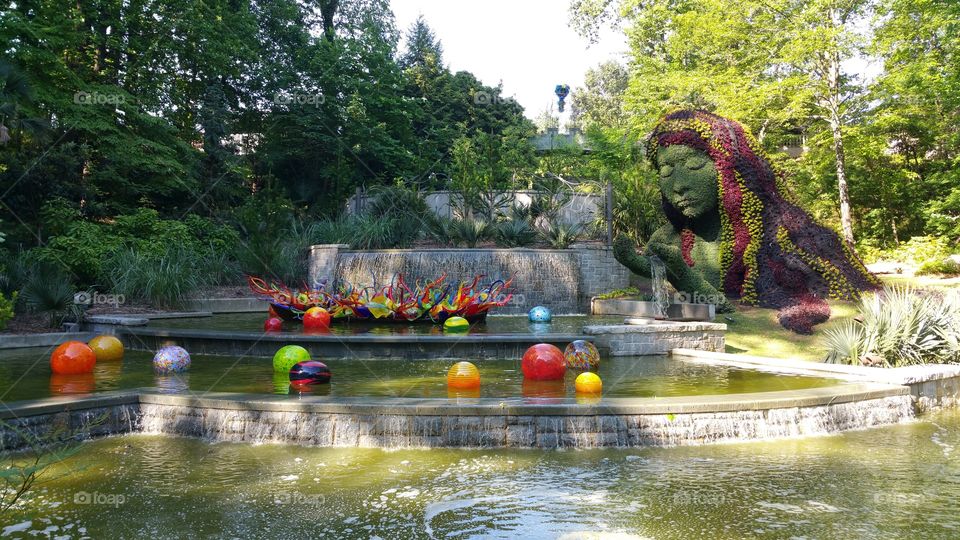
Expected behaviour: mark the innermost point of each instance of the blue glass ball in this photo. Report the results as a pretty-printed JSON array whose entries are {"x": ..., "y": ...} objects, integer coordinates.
[{"x": 540, "y": 314}]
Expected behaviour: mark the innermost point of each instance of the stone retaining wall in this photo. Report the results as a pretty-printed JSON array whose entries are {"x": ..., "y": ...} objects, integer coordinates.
[
  {"x": 648, "y": 337},
  {"x": 398, "y": 423},
  {"x": 562, "y": 280}
]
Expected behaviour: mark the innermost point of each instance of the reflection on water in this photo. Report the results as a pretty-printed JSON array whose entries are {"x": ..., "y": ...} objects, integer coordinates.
[
  {"x": 895, "y": 482},
  {"x": 26, "y": 375},
  {"x": 253, "y": 322}
]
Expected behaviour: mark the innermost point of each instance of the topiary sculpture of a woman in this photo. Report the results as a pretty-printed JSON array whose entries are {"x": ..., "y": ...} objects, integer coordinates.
[{"x": 731, "y": 232}]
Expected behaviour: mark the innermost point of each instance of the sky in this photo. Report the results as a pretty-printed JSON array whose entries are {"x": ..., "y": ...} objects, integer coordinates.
[{"x": 525, "y": 44}]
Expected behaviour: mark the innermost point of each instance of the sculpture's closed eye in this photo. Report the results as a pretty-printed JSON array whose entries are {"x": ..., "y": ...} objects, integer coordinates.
[{"x": 666, "y": 170}]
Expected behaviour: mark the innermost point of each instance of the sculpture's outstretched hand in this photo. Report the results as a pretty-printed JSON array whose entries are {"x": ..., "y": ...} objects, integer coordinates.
[{"x": 626, "y": 254}]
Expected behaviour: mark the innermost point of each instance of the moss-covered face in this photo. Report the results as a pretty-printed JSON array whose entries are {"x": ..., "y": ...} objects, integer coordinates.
[{"x": 688, "y": 180}]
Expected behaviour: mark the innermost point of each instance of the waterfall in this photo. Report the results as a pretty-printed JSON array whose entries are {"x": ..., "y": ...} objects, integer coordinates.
[{"x": 658, "y": 282}]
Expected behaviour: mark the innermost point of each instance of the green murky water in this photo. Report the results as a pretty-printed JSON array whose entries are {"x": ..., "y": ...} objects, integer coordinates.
[
  {"x": 895, "y": 482},
  {"x": 25, "y": 374},
  {"x": 253, "y": 322}
]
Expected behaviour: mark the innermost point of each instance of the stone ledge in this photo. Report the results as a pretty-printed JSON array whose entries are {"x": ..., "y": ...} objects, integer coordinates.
[{"x": 19, "y": 341}]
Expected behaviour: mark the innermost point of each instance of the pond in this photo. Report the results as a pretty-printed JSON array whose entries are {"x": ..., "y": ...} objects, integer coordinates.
[
  {"x": 894, "y": 482},
  {"x": 25, "y": 374}
]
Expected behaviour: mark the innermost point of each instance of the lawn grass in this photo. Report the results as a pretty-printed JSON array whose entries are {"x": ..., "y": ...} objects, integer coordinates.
[{"x": 755, "y": 331}]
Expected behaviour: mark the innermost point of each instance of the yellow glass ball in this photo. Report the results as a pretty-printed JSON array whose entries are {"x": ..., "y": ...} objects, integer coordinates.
[
  {"x": 588, "y": 383},
  {"x": 463, "y": 376},
  {"x": 107, "y": 348}
]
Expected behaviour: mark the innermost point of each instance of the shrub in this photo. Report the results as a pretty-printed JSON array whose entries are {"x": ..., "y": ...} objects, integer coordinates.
[
  {"x": 164, "y": 279},
  {"x": 48, "y": 290},
  {"x": 515, "y": 233},
  {"x": 900, "y": 326},
  {"x": 469, "y": 232},
  {"x": 560, "y": 235},
  {"x": 400, "y": 213},
  {"x": 948, "y": 267},
  {"x": 6, "y": 309}
]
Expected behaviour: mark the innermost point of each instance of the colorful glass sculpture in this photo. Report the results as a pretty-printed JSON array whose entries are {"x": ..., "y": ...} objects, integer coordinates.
[
  {"x": 289, "y": 356},
  {"x": 171, "y": 359},
  {"x": 582, "y": 355},
  {"x": 72, "y": 357},
  {"x": 107, "y": 348},
  {"x": 543, "y": 362},
  {"x": 432, "y": 301},
  {"x": 463, "y": 376}
]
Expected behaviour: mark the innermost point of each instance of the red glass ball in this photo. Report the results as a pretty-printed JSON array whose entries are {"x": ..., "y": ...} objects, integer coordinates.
[
  {"x": 316, "y": 318},
  {"x": 72, "y": 357},
  {"x": 273, "y": 324},
  {"x": 543, "y": 362}
]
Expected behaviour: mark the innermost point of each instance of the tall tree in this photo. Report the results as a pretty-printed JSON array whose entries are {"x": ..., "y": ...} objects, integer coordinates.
[{"x": 773, "y": 64}]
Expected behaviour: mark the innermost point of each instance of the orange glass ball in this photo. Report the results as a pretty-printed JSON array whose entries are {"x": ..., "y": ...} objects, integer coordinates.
[
  {"x": 106, "y": 348},
  {"x": 463, "y": 376},
  {"x": 588, "y": 383},
  {"x": 543, "y": 362},
  {"x": 316, "y": 318},
  {"x": 72, "y": 357}
]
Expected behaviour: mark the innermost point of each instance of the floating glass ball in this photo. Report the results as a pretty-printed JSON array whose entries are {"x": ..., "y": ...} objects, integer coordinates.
[
  {"x": 543, "y": 362},
  {"x": 582, "y": 355},
  {"x": 106, "y": 348},
  {"x": 540, "y": 314},
  {"x": 72, "y": 357},
  {"x": 588, "y": 383},
  {"x": 273, "y": 324},
  {"x": 172, "y": 359},
  {"x": 316, "y": 318},
  {"x": 463, "y": 376},
  {"x": 309, "y": 372},
  {"x": 287, "y": 357},
  {"x": 456, "y": 325}
]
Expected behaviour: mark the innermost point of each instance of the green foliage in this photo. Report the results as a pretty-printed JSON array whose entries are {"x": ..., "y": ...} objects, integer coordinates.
[
  {"x": 403, "y": 212},
  {"x": 515, "y": 233},
  {"x": 164, "y": 278},
  {"x": 947, "y": 267},
  {"x": 560, "y": 235},
  {"x": 469, "y": 232},
  {"x": 628, "y": 292},
  {"x": 48, "y": 290},
  {"x": 900, "y": 326},
  {"x": 6, "y": 308}
]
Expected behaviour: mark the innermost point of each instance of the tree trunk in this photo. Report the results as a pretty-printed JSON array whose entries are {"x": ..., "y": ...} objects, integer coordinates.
[{"x": 833, "y": 102}]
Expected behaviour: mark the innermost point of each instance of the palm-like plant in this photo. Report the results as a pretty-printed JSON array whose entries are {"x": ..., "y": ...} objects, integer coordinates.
[{"x": 15, "y": 93}]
